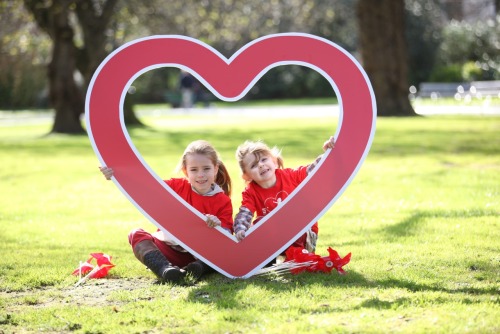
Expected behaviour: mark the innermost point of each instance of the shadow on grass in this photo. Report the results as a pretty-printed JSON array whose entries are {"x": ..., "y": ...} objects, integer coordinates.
[
  {"x": 227, "y": 295},
  {"x": 436, "y": 136},
  {"x": 409, "y": 226},
  {"x": 227, "y": 289}
]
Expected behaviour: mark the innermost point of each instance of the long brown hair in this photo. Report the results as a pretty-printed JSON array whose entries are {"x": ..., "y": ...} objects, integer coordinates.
[{"x": 205, "y": 148}]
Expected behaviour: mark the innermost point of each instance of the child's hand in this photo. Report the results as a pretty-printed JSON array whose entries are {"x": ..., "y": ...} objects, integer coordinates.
[
  {"x": 330, "y": 143},
  {"x": 213, "y": 221},
  {"x": 240, "y": 235},
  {"x": 107, "y": 172}
]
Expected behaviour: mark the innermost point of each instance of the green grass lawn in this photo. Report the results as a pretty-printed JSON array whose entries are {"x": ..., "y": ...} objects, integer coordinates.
[{"x": 421, "y": 220}]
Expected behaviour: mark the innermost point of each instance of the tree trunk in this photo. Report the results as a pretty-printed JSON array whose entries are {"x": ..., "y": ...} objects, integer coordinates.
[
  {"x": 383, "y": 50},
  {"x": 94, "y": 24},
  {"x": 129, "y": 116},
  {"x": 66, "y": 97},
  {"x": 64, "y": 94}
]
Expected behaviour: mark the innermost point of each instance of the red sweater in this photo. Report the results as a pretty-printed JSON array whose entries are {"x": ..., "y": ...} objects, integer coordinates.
[
  {"x": 262, "y": 201},
  {"x": 218, "y": 204}
]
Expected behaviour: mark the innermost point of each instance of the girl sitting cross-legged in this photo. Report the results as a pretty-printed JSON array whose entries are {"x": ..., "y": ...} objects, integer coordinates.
[{"x": 207, "y": 187}]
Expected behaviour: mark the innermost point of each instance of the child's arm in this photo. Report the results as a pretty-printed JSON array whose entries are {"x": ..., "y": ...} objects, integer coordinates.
[
  {"x": 107, "y": 172},
  {"x": 330, "y": 143},
  {"x": 213, "y": 221},
  {"x": 242, "y": 222},
  {"x": 221, "y": 214}
]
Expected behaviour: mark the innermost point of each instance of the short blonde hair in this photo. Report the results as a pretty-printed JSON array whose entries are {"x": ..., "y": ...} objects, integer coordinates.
[{"x": 257, "y": 148}]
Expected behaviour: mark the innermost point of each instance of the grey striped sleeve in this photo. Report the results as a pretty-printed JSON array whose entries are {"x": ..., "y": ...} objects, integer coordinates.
[
  {"x": 315, "y": 162},
  {"x": 243, "y": 220}
]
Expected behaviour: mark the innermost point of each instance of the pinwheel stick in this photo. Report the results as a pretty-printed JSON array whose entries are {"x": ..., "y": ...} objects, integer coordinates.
[{"x": 86, "y": 277}]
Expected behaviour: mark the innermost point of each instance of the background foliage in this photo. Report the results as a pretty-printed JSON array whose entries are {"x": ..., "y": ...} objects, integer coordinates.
[
  {"x": 469, "y": 51},
  {"x": 439, "y": 48}
]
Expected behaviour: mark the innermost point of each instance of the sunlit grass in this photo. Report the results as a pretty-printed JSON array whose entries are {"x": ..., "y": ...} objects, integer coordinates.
[{"x": 421, "y": 220}]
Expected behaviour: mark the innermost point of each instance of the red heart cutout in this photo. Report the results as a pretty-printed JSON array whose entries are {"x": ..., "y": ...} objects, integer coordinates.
[{"x": 230, "y": 79}]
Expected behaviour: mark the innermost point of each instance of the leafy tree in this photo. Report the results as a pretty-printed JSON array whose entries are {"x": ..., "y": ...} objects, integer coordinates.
[
  {"x": 63, "y": 20},
  {"x": 465, "y": 42},
  {"x": 424, "y": 24},
  {"x": 23, "y": 50},
  {"x": 65, "y": 95},
  {"x": 227, "y": 25}
]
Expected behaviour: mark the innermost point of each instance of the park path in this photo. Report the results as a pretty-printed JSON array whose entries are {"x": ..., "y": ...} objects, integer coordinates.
[{"x": 21, "y": 118}]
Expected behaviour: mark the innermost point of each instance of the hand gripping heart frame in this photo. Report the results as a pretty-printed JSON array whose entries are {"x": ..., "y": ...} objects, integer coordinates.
[{"x": 230, "y": 79}]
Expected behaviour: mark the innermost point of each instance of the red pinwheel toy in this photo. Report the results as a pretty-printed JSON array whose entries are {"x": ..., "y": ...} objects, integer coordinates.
[
  {"x": 299, "y": 260},
  {"x": 100, "y": 270}
]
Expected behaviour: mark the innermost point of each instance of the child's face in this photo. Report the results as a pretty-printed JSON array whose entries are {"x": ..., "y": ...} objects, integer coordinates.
[
  {"x": 201, "y": 172},
  {"x": 260, "y": 169}
]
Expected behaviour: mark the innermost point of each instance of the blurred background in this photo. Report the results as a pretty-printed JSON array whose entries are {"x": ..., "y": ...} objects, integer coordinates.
[{"x": 49, "y": 49}]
